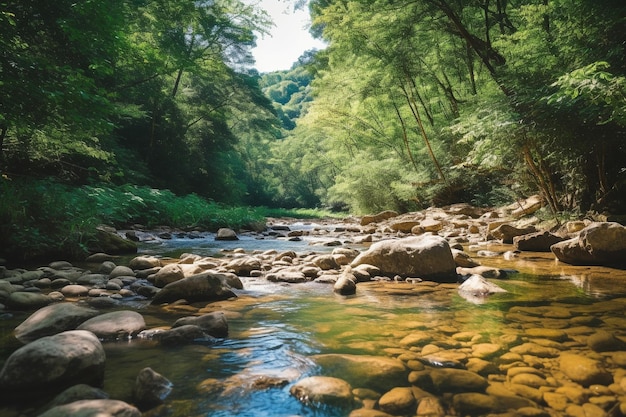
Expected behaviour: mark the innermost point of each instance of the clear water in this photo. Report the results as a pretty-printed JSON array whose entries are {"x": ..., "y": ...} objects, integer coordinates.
[{"x": 274, "y": 329}]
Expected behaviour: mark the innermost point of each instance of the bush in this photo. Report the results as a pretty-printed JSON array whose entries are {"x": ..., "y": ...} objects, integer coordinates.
[{"x": 44, "y": 219}]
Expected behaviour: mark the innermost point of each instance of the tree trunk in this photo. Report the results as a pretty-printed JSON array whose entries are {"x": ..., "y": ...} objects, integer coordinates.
[{"x": 416, "y": 114}]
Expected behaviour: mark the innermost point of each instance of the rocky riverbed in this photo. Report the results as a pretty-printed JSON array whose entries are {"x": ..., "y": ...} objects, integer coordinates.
[{"x": 454, "y": 311}]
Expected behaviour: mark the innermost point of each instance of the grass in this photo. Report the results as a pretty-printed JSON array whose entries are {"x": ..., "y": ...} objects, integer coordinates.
[{"x": 45, "y": 219}]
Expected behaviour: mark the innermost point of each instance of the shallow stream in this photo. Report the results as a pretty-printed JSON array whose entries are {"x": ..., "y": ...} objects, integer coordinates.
[{"x": 274, "y": 329}]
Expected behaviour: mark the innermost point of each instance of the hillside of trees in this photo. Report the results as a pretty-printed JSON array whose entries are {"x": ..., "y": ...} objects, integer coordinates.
[
  {"x": 413, "y": 103},
  {"x": 439, "y": 101}
]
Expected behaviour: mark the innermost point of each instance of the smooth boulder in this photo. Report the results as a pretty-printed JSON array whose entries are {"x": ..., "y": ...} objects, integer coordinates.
[
  {"x": 117, "y": 325},
  {"x": 54, "y": 363},
  {"x": 597, "y": 244},
  {"x": 215, "y": 324},
  {"x": 207, "y": 286},
  {"x": 323, "y": 390},
  {"x": 425, "y": 256},
  {"x": 476, "y": 288},
  {"x": 93, "y": 408},
  {"x": 150, "y": 389},
  {"x": 375, "y": 372},
  {"x": 52, "y": 319}
]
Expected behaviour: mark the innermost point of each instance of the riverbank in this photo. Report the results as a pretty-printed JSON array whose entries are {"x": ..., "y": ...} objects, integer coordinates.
[{"x": 426, "y": 344}]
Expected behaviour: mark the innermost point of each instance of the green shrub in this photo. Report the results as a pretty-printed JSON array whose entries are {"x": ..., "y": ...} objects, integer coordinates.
[{"x": 44, "y": 219}]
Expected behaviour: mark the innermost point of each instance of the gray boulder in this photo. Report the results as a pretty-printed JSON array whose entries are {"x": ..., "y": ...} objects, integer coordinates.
[
  {"x": 78, "y": 392},
  {"x": 117, "y": 325},
  {"x": 52, "y": 319},
  {"x": 215, "y": 324},
  {"x": 22, "y": 300},
  {"x": 536, "y": 242},
  {"x": 150, "y": 389},
  {"x": 93, "y": 408},
  {"x": 597, "y": 244},
  {"x": 53, "y": 363},
  {"x": 112, "y": 243},
  {"x": 207, "y": 286},
  {"x": 425, "y": 256},
  {"x": 184, "y": 335},
  {"x": 226, "y": 234}
]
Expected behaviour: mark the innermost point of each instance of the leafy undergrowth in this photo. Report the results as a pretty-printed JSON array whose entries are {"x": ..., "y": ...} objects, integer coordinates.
[{"x": 44, "y": 218}]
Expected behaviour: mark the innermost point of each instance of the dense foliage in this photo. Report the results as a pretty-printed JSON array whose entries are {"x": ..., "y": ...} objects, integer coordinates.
[
  {"x": 290, "y": 93},
  {"x": 132, "y": 91},
  {"x": 42, "y": 219},
  {"x": 420, "y": 102}
]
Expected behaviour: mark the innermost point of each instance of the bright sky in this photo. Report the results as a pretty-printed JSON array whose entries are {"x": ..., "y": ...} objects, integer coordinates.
[{"x": 288, "y": 39}]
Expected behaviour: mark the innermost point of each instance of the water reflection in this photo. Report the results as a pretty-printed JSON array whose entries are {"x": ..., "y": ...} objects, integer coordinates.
[{"x": 274, "y": 329}]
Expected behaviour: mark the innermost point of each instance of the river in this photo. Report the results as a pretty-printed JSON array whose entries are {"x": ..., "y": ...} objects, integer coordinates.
[{"x": 275, "y": 329}]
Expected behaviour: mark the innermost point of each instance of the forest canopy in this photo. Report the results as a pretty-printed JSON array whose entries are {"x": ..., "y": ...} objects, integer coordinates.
[
  {"x": 413, "y": 103},
  {"x": 420, "y": 102}
]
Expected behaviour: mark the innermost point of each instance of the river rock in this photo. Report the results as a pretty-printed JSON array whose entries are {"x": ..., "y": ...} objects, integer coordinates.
[
  {"x": 346, "y": 283},
  {"x": 168, "y": 274},
  {"x": 214, "y": 324},
  {"x": 144, "y": 262},
  {"x": 117, "y": 325},
  {"x": 76, "y": 393},
  {"x": 603, "y": 341},
  {"x": 184, "y": 335},
  {"x": 292, "y": 276},
  {"x": 364, "y": 371},
  {"x": 74, "y": 290},
  {"x": 226, "y": 234},
  {"x": 536, "y": 242},
  {"x": 404, "y": 226},
  {"x": 398, "y": 401},
  {"x": 323, "y": 390},
  {"x": 597, "y": 244},
  {"x": 93, "y": 408},
  {"x": 476, "y": 288},
  {"x": 243, "y": 266},
  {"x": 463, "y": 259},
  {"x": 456, "y": 380},
  {"x": 365, "y": 272},
  {"x": 426, "y": 256},
  {"x": 150, "y": 389},
  {"x": 54, "y": 363},
  {"x": 507, "y": 232},
  {"x": 344, "y": 256},
  {"x": 207, "y": 286},
  {"x": 96, "y": 258},
  {"x": 111, "y": 243},
  {"x": 325, "y": 262},
  {"x": 379, "y": 217},
  {"x": 475, "y": 404},
  {"x": 22, "y": 300},
  {"x": 52, "y": 319},
  {"x": 584, "y": 370},
  {"x": 121, "y": 271},
  {"x": 92, "y": 280}
]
